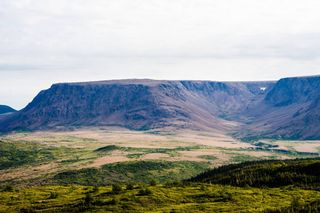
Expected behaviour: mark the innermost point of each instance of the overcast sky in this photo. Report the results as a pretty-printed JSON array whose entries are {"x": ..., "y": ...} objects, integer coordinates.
[{"x": 48, "y": 41}]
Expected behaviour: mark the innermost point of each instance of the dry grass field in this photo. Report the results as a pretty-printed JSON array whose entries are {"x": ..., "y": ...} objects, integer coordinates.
[
  {"x": 78, "y": 171},
  {"x": 61, "y": 151}
]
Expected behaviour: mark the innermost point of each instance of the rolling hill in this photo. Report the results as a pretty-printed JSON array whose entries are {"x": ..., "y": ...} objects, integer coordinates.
[{"x": 276, "y": 173}]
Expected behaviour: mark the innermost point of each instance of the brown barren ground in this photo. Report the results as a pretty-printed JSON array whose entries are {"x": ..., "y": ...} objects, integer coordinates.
[{"x": 216, "y": 148}]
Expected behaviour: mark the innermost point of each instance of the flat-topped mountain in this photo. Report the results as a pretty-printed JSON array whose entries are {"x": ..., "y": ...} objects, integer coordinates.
[
  {"x": 291, "y": 109},
  {"x": 288, "y": 108},
  {"x": 6, "y": 109},
  {"x": 136, "y": 104}
]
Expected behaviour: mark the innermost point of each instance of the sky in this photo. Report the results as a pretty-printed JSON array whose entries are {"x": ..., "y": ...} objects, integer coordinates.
[{"x": 48, "y": 41}]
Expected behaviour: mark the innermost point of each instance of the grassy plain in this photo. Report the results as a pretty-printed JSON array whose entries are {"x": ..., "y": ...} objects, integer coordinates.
[
  {"x": 30, "y": 157},
  {"x": 72, "y": 171}
]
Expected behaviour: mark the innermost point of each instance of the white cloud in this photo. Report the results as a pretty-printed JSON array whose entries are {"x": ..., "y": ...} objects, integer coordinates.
[{"x": 42, "y": 42}]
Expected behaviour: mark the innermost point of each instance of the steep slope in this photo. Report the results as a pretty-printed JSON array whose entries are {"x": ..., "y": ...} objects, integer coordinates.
[
  {"x": 88, "y": 104},
  {"x": 136, "y": 104},
  {"x": 291, "y": 109},
  {"x": 6, "y": 109}
]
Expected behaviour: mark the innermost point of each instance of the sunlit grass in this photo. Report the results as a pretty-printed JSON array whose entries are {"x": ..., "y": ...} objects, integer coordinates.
[{"x": 190, "y": 198}]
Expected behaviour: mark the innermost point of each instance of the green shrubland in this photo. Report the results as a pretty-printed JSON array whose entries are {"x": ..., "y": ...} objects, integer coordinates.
[
  {"x": 256, "y": 188},
  {"x": 135, "y": 171},
  {"x": 13, "y": 155},
  {"x": 189, "y": 198}
]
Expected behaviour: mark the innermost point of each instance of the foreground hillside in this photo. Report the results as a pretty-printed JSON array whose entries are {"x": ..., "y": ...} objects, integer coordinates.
[
  {"x": 189, "y": 196},
  {"x": 301, "y": 173},
  {"x": 144, "y": 198}
]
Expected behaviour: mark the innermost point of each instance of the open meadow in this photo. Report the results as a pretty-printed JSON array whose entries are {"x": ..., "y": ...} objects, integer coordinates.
[{"x": 57, "y": 171}]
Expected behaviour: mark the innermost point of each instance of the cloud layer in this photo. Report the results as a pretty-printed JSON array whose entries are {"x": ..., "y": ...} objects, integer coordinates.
[{"x": 42, "y": 42}]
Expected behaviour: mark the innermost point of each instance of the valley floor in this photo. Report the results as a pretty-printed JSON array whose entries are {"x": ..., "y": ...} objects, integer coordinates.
[
  {"x": 35, "y": 155},
  {"x": 51, "y": 171}
]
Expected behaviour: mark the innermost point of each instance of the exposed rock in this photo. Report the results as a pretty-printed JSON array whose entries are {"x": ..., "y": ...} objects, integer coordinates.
[
  {"x": 136, "y": 104},
  {"x": 289, "y": 108}
]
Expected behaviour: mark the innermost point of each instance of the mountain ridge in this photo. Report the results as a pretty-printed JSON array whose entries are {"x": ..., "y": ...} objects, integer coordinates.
[
  {"x": 252, "y": 109},
  {"x": 6, "y": 109},
  {"x": 290, "y": 110}
]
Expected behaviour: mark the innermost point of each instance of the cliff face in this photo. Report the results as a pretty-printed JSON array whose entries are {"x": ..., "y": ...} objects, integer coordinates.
[
  {"x": 85, "y": 105},
  {"x": 289, "y": 108},
  {"x": 289, "y": 91},
  {"x": 136, "y": 104}
]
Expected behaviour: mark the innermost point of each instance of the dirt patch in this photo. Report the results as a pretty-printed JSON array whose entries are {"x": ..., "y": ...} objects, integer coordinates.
[
  {"x": 308, "y": 147},
  {"x": 107, "y": 160},
  {"x": 197, "y": 155},
  {"x": 155, "y": 156},
  {"x": 257, "y": 153},
  {"x": 28, "y": 172},
  {"x": 113, "y": 157}
]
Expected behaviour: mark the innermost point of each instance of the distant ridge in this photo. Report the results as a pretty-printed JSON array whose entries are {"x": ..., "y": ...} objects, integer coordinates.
[
  {"x": 6, "y": 109},
  {"x": 137, "y": 104},
  {"x": 288, "y": 108}
]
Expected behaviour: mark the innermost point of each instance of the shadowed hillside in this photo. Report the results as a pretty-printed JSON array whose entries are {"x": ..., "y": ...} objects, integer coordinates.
[
  {"x": 290, "y": 110},
  {"x": 303, "y": 173},
  {"x": 6, "y": 109}
]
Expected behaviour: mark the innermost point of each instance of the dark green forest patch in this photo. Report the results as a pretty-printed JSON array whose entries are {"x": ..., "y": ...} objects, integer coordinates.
[{"x": 275, "y": 173}]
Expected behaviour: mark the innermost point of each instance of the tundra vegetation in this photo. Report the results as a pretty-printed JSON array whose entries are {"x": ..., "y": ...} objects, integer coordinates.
[{"x": 100, "y": 170}]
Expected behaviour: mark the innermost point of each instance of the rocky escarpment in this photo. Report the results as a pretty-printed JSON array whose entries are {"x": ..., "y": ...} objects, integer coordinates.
[
  {"x": 289, "y": 91},
  {"x": 85, "y": 105},
  {"x": 291, "y": 109},
  {"x": 136, "y": 104}
]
